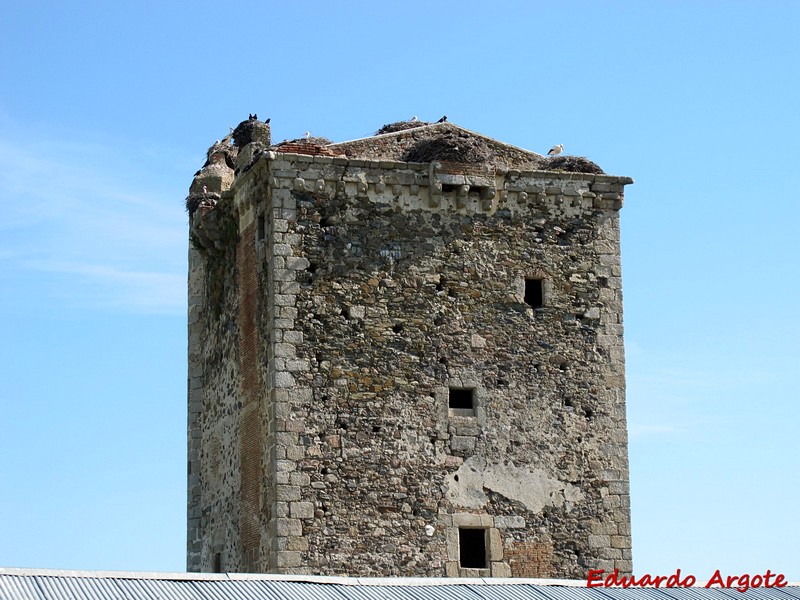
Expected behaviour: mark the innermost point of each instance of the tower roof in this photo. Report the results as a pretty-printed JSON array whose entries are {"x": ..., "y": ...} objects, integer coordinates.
[{"x": 427, "y": 142}]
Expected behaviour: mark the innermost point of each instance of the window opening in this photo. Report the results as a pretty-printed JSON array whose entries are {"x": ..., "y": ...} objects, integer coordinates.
[
  {"x": 261, "y": 230},
  {"x": 217, "y": 568},
  {"x": 462, "y": 399},
  {"x": 534, "y": 293},
  {"x": 461, "y": 402},
  {"x": 472, "y": 548}
]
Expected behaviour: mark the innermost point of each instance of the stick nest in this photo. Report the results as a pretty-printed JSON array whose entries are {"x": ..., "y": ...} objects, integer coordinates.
[
  {"x": 400, "y": 126},
  {"x": 198, "y": 201},
  {"x": 312, "y": 141},
  {"x": 572, "y": 164},
  {"x": 451, "y": 147}
]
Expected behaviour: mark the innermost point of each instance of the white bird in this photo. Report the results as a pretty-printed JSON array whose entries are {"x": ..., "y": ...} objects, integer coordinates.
[
  {"x": 556, "y": 150},
  {"x": 414, "y": 119},
  {"x": 308, "y": 135}
]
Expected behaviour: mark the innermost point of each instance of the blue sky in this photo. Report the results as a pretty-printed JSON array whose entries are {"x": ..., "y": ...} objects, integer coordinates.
[{"x": 106, "y": 110}]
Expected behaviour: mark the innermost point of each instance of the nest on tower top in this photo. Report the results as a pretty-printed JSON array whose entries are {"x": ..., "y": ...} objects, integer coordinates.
[
  {"x": 450, "y": 146},
  {"x": 401, "y": 126},
  {"x": 572, "y": 164},
  {"x": 310, "y": 141},
  {"x": 249, "y": 131}
]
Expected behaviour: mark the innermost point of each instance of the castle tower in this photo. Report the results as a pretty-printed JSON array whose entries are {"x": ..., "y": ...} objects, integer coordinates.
[{"x": 405, "y": 359}]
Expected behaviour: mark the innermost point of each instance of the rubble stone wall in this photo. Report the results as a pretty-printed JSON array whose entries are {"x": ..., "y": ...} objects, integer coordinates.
[
  {"x": 214, "y": 413},
  {"x": 383, "y": 286}
]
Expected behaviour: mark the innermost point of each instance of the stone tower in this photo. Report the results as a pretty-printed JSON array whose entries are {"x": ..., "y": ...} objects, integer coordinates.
[{"x": 405, "y": 358}]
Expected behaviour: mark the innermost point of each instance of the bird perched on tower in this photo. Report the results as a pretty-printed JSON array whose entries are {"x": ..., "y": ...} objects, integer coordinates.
[
  {"x": 555, "y": 150},
  {"x": 442, "y": 120}
]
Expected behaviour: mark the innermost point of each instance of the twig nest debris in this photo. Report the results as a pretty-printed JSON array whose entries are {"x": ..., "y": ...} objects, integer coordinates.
[
  {"x": 573, "y": 164},
  {"x": 400, "y": 126},
  {"x": 450, "y": 146},
  {"x": 310, "y": 141},
  {"x": 195, "y": 202}
]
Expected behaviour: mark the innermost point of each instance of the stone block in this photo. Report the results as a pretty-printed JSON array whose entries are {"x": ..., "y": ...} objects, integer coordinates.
[
  {"x": 300, "y": 479},
  {"x": 295, "y": 452},
  {"x": 287, "y": 493},
  {"x": 301, "y": 510},
  {"x": 288, "y": 527},
  {"x": 620, "y": 541},
  {"x": 500, "y": 569},
  {"x": 624, "y": 566},
  {"x": 288, "y": 558},
  {"x": 468, "y": 520},
  {"x": 285, "y": 350},
  {"x": 297, "y": 263},
  {"x": 495, "y": 544},
  {"x": 284, "y": 275},
  {"x": 451, "y": 568},
  {"x": 285, "y": 465},
  {"x": 299, "y": 544},
  {"x": 282, "y": 379},
  {"x": 297, "y": 365},
  {"x": 461, "y": 443},
  {"x": 599, "y": 541},
  {"x": 293, "y": 337},
  {"x": 603, "y": 527},
  {"x": 509, "y": 522},
  {"x": 284, "y": 300}
]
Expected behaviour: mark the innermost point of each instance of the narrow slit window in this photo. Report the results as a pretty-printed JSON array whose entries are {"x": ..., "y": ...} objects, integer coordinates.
[
  {"x": 261, "y": 229},
  {"x": 462, "y": 401},
  {"x": 534, "y": 292},
  {"x": 472, "y": 548},
  {"x": 217, "y": 567}
]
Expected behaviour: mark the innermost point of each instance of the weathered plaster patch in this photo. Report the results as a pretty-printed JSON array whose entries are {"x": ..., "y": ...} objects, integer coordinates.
[{"x": 531, "y": 487}]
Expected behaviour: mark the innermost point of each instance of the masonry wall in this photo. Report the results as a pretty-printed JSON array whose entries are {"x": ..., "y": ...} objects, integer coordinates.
[
  {"x": 214, "y": 476},
  {"x": 381, "y": 286},
  {"x": 339, "y": 303}
]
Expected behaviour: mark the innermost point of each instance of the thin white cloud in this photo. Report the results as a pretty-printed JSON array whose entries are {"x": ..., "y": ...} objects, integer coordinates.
[
  {"x": 81, "y": 209},
  {"x": 104, "y": 287}
]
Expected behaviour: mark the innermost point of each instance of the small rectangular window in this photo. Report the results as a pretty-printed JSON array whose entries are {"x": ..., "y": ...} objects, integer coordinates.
[
  {"x": 472, "y": 548},
  {"x": 462, "y": 401},
  {"x": 534, "y": 293},
  {"x": 217, "y": 567}
]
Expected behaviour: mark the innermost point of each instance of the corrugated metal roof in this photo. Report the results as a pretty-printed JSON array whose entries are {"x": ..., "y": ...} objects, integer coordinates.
[{"x": 28, "y": 584}]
